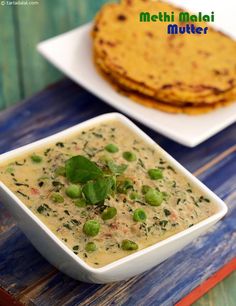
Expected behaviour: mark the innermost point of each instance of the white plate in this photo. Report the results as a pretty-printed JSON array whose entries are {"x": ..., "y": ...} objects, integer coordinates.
[
  {"x": 63, "y": 258},
  {"x": 72, "y": 54}
]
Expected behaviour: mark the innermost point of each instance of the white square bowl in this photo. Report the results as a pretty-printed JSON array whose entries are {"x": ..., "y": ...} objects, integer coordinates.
[{"x": 58, "y": 254}]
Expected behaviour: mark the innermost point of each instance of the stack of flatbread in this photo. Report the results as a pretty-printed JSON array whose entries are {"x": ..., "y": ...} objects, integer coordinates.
[{"x": 182, "y": 73}]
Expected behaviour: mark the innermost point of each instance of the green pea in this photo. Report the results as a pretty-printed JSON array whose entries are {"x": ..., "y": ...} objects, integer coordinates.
[
  {"x": 134, "y": 196},
  {"x": 90, "y": 247},
  {"x": 129, "y": 245},
  {"x": 154, "y": 197},
  {"x": 155, "y": 174},
  {"x": 124, "y": 186},
  {"x": 111, "y": 148},
  {"x": 109, "y": 213},
  {"x": 139, "y": 215},
  {"x": 36, "y": 158},
  {"x": 145, "y": 189},
  {"x": 91, "y": 228},
  {"x": 60, "y": 171},
  {"x": 129, "y": 156},
  {"x": 73, "y": 191},
  {"x": 56, "y": 197},
  {"x": 80, "y": 202}
]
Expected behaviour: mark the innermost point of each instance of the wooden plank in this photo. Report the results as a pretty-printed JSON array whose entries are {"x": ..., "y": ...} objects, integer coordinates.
[
  {"x": 20, "y": 264},
  {"x": 209, "y": 284},
  {"x": 49, "y": 18},
  {"x": 28, "y": 276},
  {"x": 10, "y": 91},
  {"x": 69, "y": 105},
  {"x": 7, "y": 300},
  {"x": 221, "y": 295}
]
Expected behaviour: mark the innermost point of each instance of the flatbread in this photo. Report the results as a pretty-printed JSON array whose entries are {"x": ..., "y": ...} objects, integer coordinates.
[
  {"x": 187, "y": 108},
  {"x": 178, "y": 68},
  {"x": 168, "y": 98}
]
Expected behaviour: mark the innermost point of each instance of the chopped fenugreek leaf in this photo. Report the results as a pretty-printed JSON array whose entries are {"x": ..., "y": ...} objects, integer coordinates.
[
  {"x": 56, "y": 197},
  {"x": 36, "y": 158},
  {"x": 167, "y": 212}
]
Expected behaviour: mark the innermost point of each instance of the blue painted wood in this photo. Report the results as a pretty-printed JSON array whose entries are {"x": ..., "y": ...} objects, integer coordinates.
[
  {"x": 29, "y": 277},
  {"x": 20, "y": 264},
  {"x": 64, "y": 104}
]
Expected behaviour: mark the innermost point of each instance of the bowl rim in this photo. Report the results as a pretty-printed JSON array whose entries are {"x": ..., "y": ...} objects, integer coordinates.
[{"x": 222, "y": 208}]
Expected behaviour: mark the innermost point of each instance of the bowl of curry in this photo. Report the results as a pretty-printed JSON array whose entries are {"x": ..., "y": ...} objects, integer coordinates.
[{"x": 102, "y": 201}]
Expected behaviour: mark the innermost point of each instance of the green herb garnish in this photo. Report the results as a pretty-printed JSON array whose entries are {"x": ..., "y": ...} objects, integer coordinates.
[
  {"x": 116, "y": 169},
  {"x": 80, "y": 169},
  {"x": 60, "y": 171},
  {"x": 134, "y": 196},
  {"x": 171, "y": 168},
  {"x": 43, "y": 208},
  {"x": 36, "y": 158},
  {"x": 68, "y": 226},
  {"x": 60, "y": 144},
  {"x": 10, "y": 170},
  {"x": 97, "y": 191},
  {"x": 57, "y": 198},
  {"x": 80, "y": 202},
  {"x": 167, "y": 212},
  {"x": 163, "y": 223},
  {"x": 145, "y": 189},
  {"x": 124, "y": 186},
  {"x": 141, "y": 163}
]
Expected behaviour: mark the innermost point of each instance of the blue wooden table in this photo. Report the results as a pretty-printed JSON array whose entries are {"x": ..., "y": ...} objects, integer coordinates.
[{"x": 31, "y": 280}]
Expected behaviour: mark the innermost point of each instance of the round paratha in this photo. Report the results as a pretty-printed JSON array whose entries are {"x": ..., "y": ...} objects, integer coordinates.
[
  {"x": 186, "y": 108},
  {"x": 170, "y": 68}
]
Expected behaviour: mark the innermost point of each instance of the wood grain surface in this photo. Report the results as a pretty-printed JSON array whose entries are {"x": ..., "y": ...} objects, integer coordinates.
[
  {"x": 27, "y": 276},
  {"x": 210, "y": 283},
  {"x": 22, "y": 70}
]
